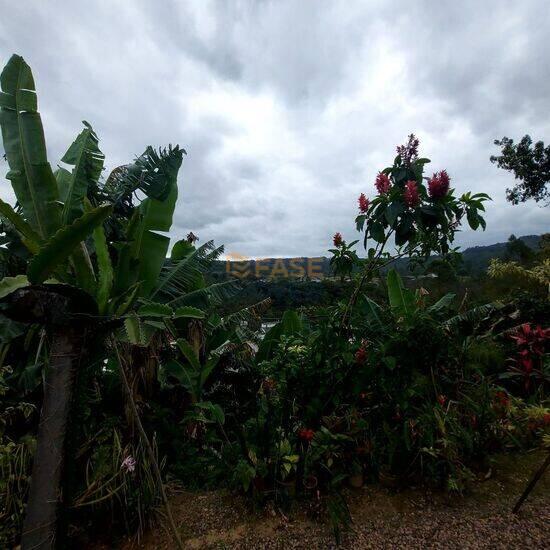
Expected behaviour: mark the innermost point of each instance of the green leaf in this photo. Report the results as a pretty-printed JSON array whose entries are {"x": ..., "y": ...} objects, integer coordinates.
[
  {"x": 132, "y": 325},
  {"x": 105, "y": 269},
  {"x": 30, "y": 238},
  {"x": 376, "y": 231},
  {"x": 401, "y": 299},
  {"x": 61, "y": 245},
  {"x": 123, "y": 302},
  {"x": 189, "y": 312},
  {"x": 181, "y": 249},
  {"x": 209, "y": 367},
  {"x": 87, "y": 159},
  {"x": 30, "y": 174},
  {"x": 189, "y": 353},
  {"x": 186, "y": 274},
  {"x": 154, "y": 309},
  {"x": 180, "y": 372},
  {"x": 154, "y": 172},
  {"x": 473, "y": 218},
  {"x": 442, "y": 303},
  {"x": 142, "y": 260},
  {"x": 10, "y": 330},
  {"x": 290, "y": 324},
  {"x": 11, "y": 284},
  {"x": 393, "y": 210},
  {"x": 83, "y": 269},
  {"x": 373, "y": 311}
]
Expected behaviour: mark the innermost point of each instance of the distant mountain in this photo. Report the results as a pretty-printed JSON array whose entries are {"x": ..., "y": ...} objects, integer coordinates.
[{"x": 476, "y": 259}]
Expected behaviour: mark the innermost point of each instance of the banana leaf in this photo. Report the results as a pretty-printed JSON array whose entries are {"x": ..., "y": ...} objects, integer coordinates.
[
  {"x": 87, "y": 159},
  {"x": 61, "y": 245},
  {"x": 30, "y": 174}
]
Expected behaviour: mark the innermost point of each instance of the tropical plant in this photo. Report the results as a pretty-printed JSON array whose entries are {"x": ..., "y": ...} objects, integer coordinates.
[
  {"x": 63, "y": 233},
  {"x": 421, "y": 214}
]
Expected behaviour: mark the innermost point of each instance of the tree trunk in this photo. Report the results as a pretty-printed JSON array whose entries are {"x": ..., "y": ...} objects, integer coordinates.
[{"x": 41, "y": 525}]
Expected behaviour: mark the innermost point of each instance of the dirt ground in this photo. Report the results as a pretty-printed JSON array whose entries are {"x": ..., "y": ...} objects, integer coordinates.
[{"x": 413, "y": 518}]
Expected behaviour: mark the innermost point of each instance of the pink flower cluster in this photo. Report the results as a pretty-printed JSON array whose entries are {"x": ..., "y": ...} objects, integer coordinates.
[
  {"x": 363, "y": 203},
  {"x": 411, "y": 195},
  {"x": 382, "y": 183},
  {"x": 438, "y": 184},
  {"x": 128, "y": 464}
]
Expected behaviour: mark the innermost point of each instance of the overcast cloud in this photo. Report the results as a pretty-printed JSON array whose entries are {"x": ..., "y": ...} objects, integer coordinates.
[{"x": 288, "y": 109}]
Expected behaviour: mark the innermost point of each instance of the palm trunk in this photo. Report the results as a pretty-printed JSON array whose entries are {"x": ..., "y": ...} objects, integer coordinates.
[{"x": 41, "y": 526}]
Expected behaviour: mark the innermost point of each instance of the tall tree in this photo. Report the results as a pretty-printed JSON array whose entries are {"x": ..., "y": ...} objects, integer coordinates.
[{"x": 530, "y": 165}]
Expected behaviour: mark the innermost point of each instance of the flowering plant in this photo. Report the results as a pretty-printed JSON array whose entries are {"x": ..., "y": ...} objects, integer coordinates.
[
  {"x": 344, "y": 258},
  {"x": 420, "y": 212}
]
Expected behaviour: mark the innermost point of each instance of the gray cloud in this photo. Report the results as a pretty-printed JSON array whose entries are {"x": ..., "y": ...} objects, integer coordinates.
[{"x": 289, "y": 109}]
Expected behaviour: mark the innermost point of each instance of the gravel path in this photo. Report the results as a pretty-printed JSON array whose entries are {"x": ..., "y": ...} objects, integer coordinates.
[{"x": 410, "y": 519}]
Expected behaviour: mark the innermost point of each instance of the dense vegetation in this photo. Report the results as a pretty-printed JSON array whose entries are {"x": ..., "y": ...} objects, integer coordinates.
[{"x": 122, "y": 369}]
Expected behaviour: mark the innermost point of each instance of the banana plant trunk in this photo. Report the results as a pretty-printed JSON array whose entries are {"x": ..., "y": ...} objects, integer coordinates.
[
  {"x": 41, "y": 528},
  {"x": 53, "y": 306}
]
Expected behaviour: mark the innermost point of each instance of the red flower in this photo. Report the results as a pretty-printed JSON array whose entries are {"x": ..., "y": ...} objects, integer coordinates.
[
  {"x": 363, "y": 203},
  {"x": 441, "y": 399},
  {"x": 546, "y": 419},
  {"x": 337, "y": 239},
  {"x": 438, "y": 184},
  {"x": 382, "y": 183},
  {"x": 306, "y": 434},
  {"x": 411, "y": 196},
  {"x": 502, "y": 399},
  {"x": 361, "y": 356}
]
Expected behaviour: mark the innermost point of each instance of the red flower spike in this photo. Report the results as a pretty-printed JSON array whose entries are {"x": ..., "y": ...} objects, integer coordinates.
[
  {"x": 306, "y": 434},
  {"x": 382, "y": 183},
  {"x": 337, "y": 240},
  {"x": 361, "y": 356},
  {"x": 411, "y": 195},
  {"x": 438, "y": 184},
  {"x": 363, "y": 203},
  {"x": 441, "y": 399}
]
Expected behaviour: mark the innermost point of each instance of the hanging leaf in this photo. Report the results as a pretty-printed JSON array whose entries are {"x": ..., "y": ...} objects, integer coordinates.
[{"x": 29, "y": 237}]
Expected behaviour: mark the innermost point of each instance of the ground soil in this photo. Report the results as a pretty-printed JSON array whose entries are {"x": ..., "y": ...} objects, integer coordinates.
[{"x": 411, "y": 518}]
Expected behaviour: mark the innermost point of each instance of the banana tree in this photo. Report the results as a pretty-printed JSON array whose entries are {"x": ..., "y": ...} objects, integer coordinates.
[{"x": 60, "y": 221}]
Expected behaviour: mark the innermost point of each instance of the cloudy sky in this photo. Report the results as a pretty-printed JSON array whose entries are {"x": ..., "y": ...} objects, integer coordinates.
[{"x": 288, "y": 109}]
